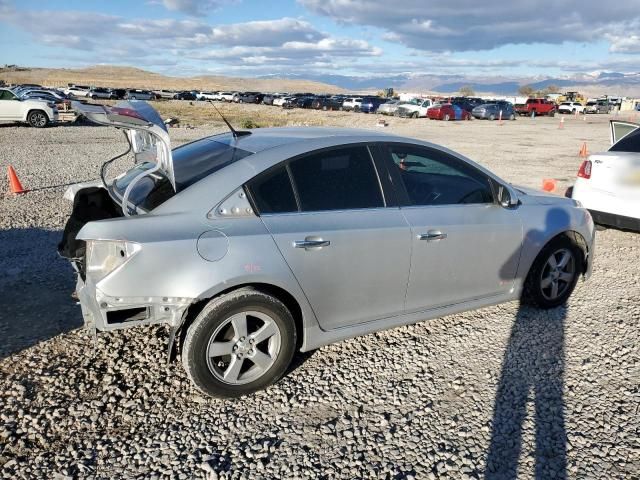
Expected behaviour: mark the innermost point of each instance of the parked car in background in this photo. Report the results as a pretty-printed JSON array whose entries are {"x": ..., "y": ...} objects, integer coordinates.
[
  {"x": 608, "y": 183},
  {"x": 536, "y": 106},
  {"x": 77, "y": 91},
  {"x": 371, "y": 104},
  {"x": 121, "y": 93},
  {"x": 467, "y": 103},
  {"x": 227, "y": 96},
  {"x": 164, "y": 94},
  {"x": 493, "y": 111},
  {"x": 185, "y": 96},
  {"x": 415, "y": 110},
  {"x": 570, "y": 107},
  {"x": 249, "y": 97},
  {"x": 448, "y": 111},
  {"x": 333, "y": 102},
  {"x": 352, "y": 104},
  {"x": 389, "y": 107},
  {"x": 280, "y": 101},
  {"x": 597, "y": 107},
  {"x": 49, "y": 94},
  {"x": 305, "y": 101},
  {"x": 269, "y": 98},
  {"x": 99, "y": 92},
  {"x": 36, "y": 112},
  {"x": 251, "y": 247},
  {"x": 206, "y": 96},
  {"x": 139, "y": 94}
]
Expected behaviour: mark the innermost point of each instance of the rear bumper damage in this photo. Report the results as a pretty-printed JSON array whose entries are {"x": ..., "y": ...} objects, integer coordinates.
[{"x": 104, "y": 313}]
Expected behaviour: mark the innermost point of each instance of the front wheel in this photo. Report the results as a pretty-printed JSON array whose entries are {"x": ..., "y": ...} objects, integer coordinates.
[
  {"x": 240, "y": 343},
  {"x": 492, "y": 117},
  {"x": 512, "y": 117},
  {"x": 414, "y": 115},
  {"x": 554, "y": 274},
  {"x": 38, "y": 119},
  {"x": 447, "y": 117}
]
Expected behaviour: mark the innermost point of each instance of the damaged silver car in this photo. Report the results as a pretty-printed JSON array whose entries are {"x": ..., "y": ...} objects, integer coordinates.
[{"x": 252, "y": 245}]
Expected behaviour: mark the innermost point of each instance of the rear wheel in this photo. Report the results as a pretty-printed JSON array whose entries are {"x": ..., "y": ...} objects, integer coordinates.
[
  {"x": 492, "y": 117},
  {"x": 554, "y": 274},
  {"x": 37, "y": 119},
  {"x": 241, "y": 342},
  {"x": 512, "y": 117}
]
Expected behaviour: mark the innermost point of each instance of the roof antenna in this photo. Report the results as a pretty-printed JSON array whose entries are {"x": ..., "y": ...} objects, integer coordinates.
[{"x": 236, "y": 134}]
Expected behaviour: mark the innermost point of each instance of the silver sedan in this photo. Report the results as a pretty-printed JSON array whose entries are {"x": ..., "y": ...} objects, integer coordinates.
[{"x": 253, "y": 245}]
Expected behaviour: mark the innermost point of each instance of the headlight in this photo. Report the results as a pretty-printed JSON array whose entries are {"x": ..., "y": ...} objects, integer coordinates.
[{"x": 105, "y": 256}]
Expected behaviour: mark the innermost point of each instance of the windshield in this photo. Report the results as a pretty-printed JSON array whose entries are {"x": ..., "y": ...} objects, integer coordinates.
[{"x": 191, "y": 162}]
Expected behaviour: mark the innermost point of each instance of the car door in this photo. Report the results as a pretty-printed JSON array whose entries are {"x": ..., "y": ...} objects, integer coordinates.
[
  {"x": 10, "y": 107},
  {"x": 346, "y": 244},
  {"x": 465, "y": 246}
]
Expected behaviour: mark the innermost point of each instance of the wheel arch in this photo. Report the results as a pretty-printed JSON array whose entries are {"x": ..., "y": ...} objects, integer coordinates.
[
  {"x": 35, "y": 109},
  {"x": 576, "y": 238},
  {"x": 289, "y": 301}
]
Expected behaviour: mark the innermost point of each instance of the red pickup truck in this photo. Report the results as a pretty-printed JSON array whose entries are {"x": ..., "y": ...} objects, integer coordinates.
[{"x": 538, "y": 105}]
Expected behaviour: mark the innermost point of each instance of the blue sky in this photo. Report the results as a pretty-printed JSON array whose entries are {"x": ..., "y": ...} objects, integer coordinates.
[{"x": 488, "y": 38}]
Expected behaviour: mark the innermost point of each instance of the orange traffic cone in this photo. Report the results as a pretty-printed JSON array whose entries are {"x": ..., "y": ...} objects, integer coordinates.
[
  {"x": 549, "y": 184},
  {"x": 583, "y": 153},
  {"x": 14, "y": 183},
  {"x": 561, "y": 126}
]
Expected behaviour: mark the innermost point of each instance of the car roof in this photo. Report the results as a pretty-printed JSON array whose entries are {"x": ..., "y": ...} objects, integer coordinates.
[{"x": 266, "y": 138}]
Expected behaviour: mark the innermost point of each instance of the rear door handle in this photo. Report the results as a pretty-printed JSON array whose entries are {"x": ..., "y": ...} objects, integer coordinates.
[
  {"x": 432, "y": 235},
  {"x": 311, "y": 243}
]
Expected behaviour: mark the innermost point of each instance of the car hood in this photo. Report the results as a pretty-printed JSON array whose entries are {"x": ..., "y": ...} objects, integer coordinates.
[{"x": 538, "y": 197}]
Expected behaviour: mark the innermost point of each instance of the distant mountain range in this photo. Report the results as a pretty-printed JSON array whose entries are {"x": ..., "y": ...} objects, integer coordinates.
[{"x": 596, "y": 83}]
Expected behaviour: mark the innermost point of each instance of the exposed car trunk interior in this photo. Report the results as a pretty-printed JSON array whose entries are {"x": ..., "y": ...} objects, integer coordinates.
[{"x": 89, "y": 204}]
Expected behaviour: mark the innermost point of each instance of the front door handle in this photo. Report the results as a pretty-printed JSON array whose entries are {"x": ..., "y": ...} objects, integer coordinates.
[
  {"x": 432, "y": 235},
  {"x": 311, "y": 243}
]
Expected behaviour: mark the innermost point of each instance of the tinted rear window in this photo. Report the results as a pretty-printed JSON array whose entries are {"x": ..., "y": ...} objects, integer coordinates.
[{"x": 191, "y": 163}]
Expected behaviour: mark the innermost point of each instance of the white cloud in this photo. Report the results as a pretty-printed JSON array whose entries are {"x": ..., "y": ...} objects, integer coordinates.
[{"x": 461, "y": 25}]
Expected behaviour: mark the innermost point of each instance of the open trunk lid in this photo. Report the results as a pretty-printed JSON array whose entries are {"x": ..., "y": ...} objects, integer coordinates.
[{"x": 146, "y": 132}]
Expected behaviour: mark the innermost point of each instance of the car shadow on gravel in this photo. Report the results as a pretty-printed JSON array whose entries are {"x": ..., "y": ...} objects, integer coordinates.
[{"x": 35, "y": 287}]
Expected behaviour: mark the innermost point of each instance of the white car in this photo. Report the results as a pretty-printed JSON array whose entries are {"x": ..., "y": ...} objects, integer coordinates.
[
  {"x": 207, "y": 96},
  {"x": 280, "y": 101},
  {"x": 226, "y": 96},
  {"x": 77, "y": 91},
  {"x": 570, "y": 107},
  {"x": 415, "y": 110},
  {"x": 608, "y": 183},
  {"x": 352, "y": 104},
  {"x": 37, "y": 113}
]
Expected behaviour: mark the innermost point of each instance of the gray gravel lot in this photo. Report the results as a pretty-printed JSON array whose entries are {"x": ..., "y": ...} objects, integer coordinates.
[{"x": 502, "y": 392}]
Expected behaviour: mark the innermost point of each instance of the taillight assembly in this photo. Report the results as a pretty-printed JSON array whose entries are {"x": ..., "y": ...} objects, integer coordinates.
[{"x": 585, "y": 170}]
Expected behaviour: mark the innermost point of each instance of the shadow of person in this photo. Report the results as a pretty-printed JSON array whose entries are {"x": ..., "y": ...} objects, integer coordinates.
[
  {"x": 532, "y": 369},
  {"x": 532, "y": 372}
]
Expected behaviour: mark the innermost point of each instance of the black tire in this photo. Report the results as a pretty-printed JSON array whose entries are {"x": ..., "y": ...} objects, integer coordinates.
[
  {"x": 447, "y": 117},
  {"x": 492, "y": 117},
  {"x": 37, "y": 119},
  {"x": 414, "y": 115},
  {"x": 512, "y": 117},
  {"x": 219, "y": 310},
  {"x": 552, "y": 113},
  {"x": 533, "y": 292}
]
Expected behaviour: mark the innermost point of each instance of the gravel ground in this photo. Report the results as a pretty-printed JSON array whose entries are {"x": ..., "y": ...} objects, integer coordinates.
[{"x": 501, "y": 392}]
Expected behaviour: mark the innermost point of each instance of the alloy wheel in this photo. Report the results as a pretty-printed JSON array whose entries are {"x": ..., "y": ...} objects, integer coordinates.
[
  {"x": 243, "y": 347},
  {"x": 557, "y": 274},
  {"x": 38, "y": 119}
]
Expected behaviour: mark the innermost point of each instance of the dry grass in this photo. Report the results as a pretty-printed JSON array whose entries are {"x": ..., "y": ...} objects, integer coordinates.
[{"x": 111, "y": 76}]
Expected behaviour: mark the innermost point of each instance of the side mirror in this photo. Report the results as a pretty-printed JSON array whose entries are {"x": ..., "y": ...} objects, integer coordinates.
[{"x": 507, "y": 198}]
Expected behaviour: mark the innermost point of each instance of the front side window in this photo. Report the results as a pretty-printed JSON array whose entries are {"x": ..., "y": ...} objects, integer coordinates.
[
  {"x": 432, "y": 177},
  {"x": 7, "y": 95}
]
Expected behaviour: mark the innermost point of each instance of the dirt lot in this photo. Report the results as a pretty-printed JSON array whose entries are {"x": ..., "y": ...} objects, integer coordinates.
[{"x": 502, "y": 392}]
